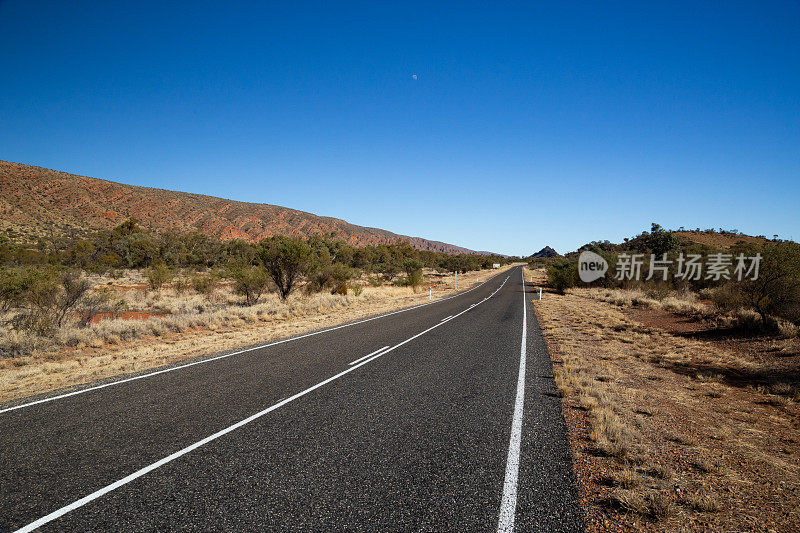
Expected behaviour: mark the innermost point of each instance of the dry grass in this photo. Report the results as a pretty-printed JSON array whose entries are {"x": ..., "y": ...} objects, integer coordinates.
[
  {"x": 190, "y": 325},
  {"x": 655, "y": 417},
  {"x": 627, "y": 479},
  {"x": 681, "y": 303},
  {"x": 704, "y": 503}
]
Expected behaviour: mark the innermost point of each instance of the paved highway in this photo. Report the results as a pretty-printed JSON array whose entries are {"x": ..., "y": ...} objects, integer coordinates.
[{"x": 442, "y": 417}]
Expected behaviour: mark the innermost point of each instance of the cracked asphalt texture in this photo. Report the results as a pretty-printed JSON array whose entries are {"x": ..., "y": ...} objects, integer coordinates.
[{"x": 415, "y": 440}]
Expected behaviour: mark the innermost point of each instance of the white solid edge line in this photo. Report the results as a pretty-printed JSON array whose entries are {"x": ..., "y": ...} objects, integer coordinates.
[
  {"x": 446, "y": 318},
  {"x": 508, "y": 505},
  {"x": 141, "y": 472},
  {"x": 367, "y": 356},
  {"x": 224, "y": 356}
]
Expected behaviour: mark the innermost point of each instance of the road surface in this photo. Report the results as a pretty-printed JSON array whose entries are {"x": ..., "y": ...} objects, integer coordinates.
[{"x": 442, "y": 417}]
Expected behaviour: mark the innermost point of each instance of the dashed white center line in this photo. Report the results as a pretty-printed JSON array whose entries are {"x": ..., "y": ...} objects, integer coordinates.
[{"x": 368, "y": 356}]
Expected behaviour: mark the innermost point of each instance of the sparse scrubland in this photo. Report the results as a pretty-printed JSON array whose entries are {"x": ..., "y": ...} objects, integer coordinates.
[
  {"x": 127, "y": 300},
  {"x": 682, "y": 399}
]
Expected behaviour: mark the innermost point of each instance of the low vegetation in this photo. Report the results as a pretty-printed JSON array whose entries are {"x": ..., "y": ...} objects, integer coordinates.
[
  {"x": 680, "y": 396},
  {"x": 52, "y": 289},
  {"x": 774, "y": 296}
]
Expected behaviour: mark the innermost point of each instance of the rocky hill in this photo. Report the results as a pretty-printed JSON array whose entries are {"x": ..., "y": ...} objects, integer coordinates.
[
  {"x": 545, "y": 252},
  {"x": 38, "y": 201}
]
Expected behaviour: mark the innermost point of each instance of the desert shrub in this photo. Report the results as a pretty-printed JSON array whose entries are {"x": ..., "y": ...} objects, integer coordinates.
[
  {"x": 389, "y": 271},
  {"x": 628, "y": 501},
  {"x": 181, "y": 285},
  {"x": 203, "y": 284},
  {"x": 106, "y": 262},
  {"x": 318, "y": 281},
  {"x": 374, "y": 281},
  {"x": 157, "y": 275},
  {"x": 340, "y": 289},
  {"x": 250, "y": 282},
  {"x": 358, "y": 288},
  {"x": 285, "y": 259},
  {"x": 658, "y": 290},
  {"x": 72, "y": 290},
  {"x": 659, "y": 506},
  {"x": 787, "y": 329},
  {"x": 333, "y": 277},
  {"x": 660, "y": 241},
  {"x": 16, "y": 283},
  {"x": 705, "y": 503},
  {"x": 776, "y": 292},
  {"x": 100, "y": 302},
  {"x": 45, "y": 295},
  {"x": 340, "y": 274},
  {"x": 413, "y": 269},
  {"x": 562, "y": 275}
]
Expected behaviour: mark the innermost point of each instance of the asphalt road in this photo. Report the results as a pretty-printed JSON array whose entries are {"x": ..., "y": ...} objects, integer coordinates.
[{"x": 437, "y": 433}]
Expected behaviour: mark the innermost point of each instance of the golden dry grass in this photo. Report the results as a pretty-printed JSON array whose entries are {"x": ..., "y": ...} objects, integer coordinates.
[{"x": 647, "y": 403}]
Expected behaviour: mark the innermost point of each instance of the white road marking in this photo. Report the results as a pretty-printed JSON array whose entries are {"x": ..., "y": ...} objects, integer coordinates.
[
  {"x": 139, "y": 473},
  {"x": 448, "y": 317},
  {"x": 367, "y": 356},
  {"x": 224, "y": 356},
  {"x": 508, "y": 505}
]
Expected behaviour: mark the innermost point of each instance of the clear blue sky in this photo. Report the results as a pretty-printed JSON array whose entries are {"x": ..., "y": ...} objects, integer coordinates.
[{"x": 526, "y": 124}]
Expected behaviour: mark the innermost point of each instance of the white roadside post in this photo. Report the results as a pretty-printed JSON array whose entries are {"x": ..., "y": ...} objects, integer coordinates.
[
  {"x": 456, "y": 279},
  {"x": 540, "y": 293},
  {"x": 430, "y": 293}
]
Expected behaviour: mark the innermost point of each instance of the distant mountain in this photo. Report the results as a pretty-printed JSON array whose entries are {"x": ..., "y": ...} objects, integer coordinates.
[
  {"x": 38, "y": 201},
  {"x": 545, "y": 252}
]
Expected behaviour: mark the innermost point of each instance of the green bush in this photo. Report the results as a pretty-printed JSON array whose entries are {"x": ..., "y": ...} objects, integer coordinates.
[
  {"x": 250, "y": 282},
  {"x": 562, "y": 275},
  {"x": 45, "y": 296},
  {"x": 413, "y": 269},
  {"x": 358, "y": 288},
  {"x": 181, "y": 285},
  {"x": 661, "y": 241},
  {"x": 340, "y": 274},
  {"x": 203, "y": 284},
  {"x": 157, "y": 275},
  {"x": 389, "y": 271},
  {"x": 775, "y": 293},
  {"x": 285, "y": 259}
]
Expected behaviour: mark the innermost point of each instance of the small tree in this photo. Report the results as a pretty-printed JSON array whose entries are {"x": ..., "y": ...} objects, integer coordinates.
[
  {"x": 250, "y": 282},
  {"x": 413, "y": 269},
  {"x": 285, "y": 259},
  {"x": 562, "y": 275},
  {"x": 661, "y": 241},
  {"x": 776, "y": 291},
  {"x": 46, "y": 296},
  {"x": 157, "y": 275},
  {"x": 389, "y": 271},
  {"x": 73, "y": 290},
  {"x": 203, "y": 284},
  {"x": 340, "y": 274}
]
